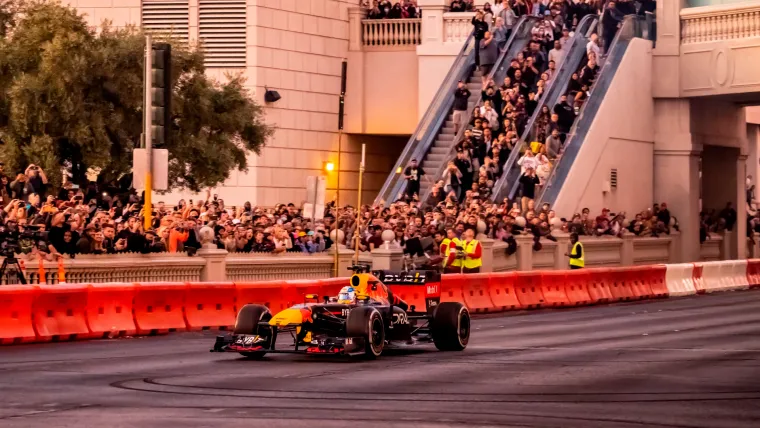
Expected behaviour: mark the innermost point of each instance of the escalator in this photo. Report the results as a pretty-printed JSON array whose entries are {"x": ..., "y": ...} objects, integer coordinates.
[
  {"x": 433, "y": 142},
  {"x": 575, "y": 52},
  {"x": 632, "y": 27}
]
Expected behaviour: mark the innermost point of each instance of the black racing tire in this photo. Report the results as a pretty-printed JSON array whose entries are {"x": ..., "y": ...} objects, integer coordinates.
[
  {"x": 450, "y": 326},
  {"x": 367, "y": 323},
  {"x": 248, "y": 319}
]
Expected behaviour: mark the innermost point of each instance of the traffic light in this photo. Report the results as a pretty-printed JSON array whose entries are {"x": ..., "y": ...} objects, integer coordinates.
[{"x": 160, "y": 111}]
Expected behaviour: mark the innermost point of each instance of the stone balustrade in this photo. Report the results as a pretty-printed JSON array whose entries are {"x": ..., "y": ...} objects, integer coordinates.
[
  {"x": 457, "y": 26},
  {"x": 390, "y": 34},
  {"x": 219, "y": 265},
  {"x": 720, "y": 22}
]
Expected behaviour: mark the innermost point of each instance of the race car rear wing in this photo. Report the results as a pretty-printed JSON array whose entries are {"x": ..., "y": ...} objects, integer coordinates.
[{"x": 431, "y": 280}]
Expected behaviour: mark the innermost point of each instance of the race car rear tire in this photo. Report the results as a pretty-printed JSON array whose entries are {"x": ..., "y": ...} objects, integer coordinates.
[
  {"x": 450, "y": 326},
  {"x": 367, "y": 323},
  {"x": 247, "y": 322}
]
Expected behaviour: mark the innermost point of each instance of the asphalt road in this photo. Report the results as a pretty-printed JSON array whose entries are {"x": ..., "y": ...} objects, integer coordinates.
[{"x": 690, "y": 362}]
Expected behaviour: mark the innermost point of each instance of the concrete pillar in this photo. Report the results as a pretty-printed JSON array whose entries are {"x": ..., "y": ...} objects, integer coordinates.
[
  {"x": 391, "y": 258},
  {"x": 676, "y": 171},
  {"x": 524, "y": 252},
  {"x": 725, "y": 244},
  {"x": 626, "y": 251},
  {"x": 355, "y": 16},
  {"x": 740, "y": 242},
  {"x": 675, "y": 246},
  {"x": 561, "y": 261},
  {"x": 666, "y": 54},
  {"x": 487, "y": 258},
  {"x": 753, "y": 155},
  {"x": 434, "y": 56},
  {"x": 432, "y": 20},
  {"x": 216, "y": 264}
]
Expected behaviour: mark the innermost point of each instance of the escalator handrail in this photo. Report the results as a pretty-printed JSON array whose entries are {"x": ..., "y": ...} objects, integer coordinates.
[
  {"x": 425, "y": 125},
  {"x": 628, "y": 30},
  {"x": 525, "y": 22},
  {"x": 563, "y": 74}
]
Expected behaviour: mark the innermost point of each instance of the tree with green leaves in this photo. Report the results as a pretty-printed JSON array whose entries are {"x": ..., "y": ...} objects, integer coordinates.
[{"x": 73, "y": 98}]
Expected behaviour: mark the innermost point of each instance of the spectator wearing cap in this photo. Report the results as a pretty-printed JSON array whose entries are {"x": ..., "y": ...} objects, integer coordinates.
[{"x": 413, "y": 174}]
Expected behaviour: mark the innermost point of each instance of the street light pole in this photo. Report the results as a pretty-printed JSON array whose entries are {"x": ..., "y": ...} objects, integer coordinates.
[
  {"x": 357, "y": 238},
  {"x": 148, "y": 131}
]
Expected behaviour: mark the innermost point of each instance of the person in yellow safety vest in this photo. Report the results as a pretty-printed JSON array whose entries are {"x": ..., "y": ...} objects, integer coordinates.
[
  {"x": 576, "y": 255},
  {"x": 471, "y": 257},
  {"x": 448, "y": 245}
]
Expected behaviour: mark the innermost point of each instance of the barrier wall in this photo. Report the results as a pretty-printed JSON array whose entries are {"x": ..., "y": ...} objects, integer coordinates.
[{"x": 39, "y": 313}]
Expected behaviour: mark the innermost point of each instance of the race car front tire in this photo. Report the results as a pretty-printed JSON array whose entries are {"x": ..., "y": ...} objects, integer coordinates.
[
  {"x": 450, "y": 326},
  {"x": 367, "y": 323},
  {"x": 247, "y": 322}
]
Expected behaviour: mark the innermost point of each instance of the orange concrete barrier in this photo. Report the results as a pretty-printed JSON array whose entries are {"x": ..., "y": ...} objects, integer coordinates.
[
  {"x": 475, "y": 291},
  {"x": 638, "y": 279},
  {"x": 210, "y": 305},
  {"x": 656, "y": 276},
  {"x": 109, "y": 309},
  {"x": 59, "y": 312},
  {"x": 753, "y": 273},
  {"x": 452, "y": 287},
  {"x": 528, "y": 289},
  {"x": 617, "y": 281},
  {"x": 598, "y": 286},
  {"x": 268, "y": 293},
  {"x": 553, "y": 289},
  {"x": 502, "y": 291},
  {"x": 158, "y": 307},
  {"x": 576, "y": 287},
  {"x": 16, "y": 314}
]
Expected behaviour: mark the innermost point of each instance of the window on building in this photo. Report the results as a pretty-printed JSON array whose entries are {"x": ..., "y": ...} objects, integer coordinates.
[{"x": 222, "y": 31}]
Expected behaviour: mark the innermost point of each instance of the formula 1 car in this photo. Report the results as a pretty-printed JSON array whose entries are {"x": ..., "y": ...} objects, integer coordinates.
[{"x": 362, "y": 324}]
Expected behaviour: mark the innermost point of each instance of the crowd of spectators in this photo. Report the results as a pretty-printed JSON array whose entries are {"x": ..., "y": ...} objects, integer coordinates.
[
  {"x": 105, "y": 219},
  {"x": 384, "y": 9}
]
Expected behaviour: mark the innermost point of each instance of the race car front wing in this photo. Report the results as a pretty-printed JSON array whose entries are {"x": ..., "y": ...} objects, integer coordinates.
[{"x": 318, "y": 345}]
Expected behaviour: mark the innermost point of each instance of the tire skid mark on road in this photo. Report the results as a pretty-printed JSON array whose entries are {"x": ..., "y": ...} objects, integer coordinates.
[{"x": 404, "y": 397}]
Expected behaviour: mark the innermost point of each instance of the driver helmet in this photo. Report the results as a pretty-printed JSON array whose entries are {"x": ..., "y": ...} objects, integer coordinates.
[{"x": 347, "y": 295}]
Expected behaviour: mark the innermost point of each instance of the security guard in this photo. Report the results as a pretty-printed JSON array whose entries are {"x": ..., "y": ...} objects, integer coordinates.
[
  {"x": 448, "y": 246},
  {"x": 472, "y": 252},
  {"x": 576, "y": 254}
]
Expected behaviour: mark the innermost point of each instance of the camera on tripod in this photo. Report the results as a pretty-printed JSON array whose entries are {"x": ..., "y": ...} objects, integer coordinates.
[{"x": 14, "y": 241}]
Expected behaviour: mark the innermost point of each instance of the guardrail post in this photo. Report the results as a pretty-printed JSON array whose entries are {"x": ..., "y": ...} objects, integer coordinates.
[
  {"x": 524, "y": 251},
  {"x": 216, "y": 264}
]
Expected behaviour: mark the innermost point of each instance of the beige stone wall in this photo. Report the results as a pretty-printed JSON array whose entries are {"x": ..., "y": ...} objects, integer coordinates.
[{"x": 295, "y": 47}]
